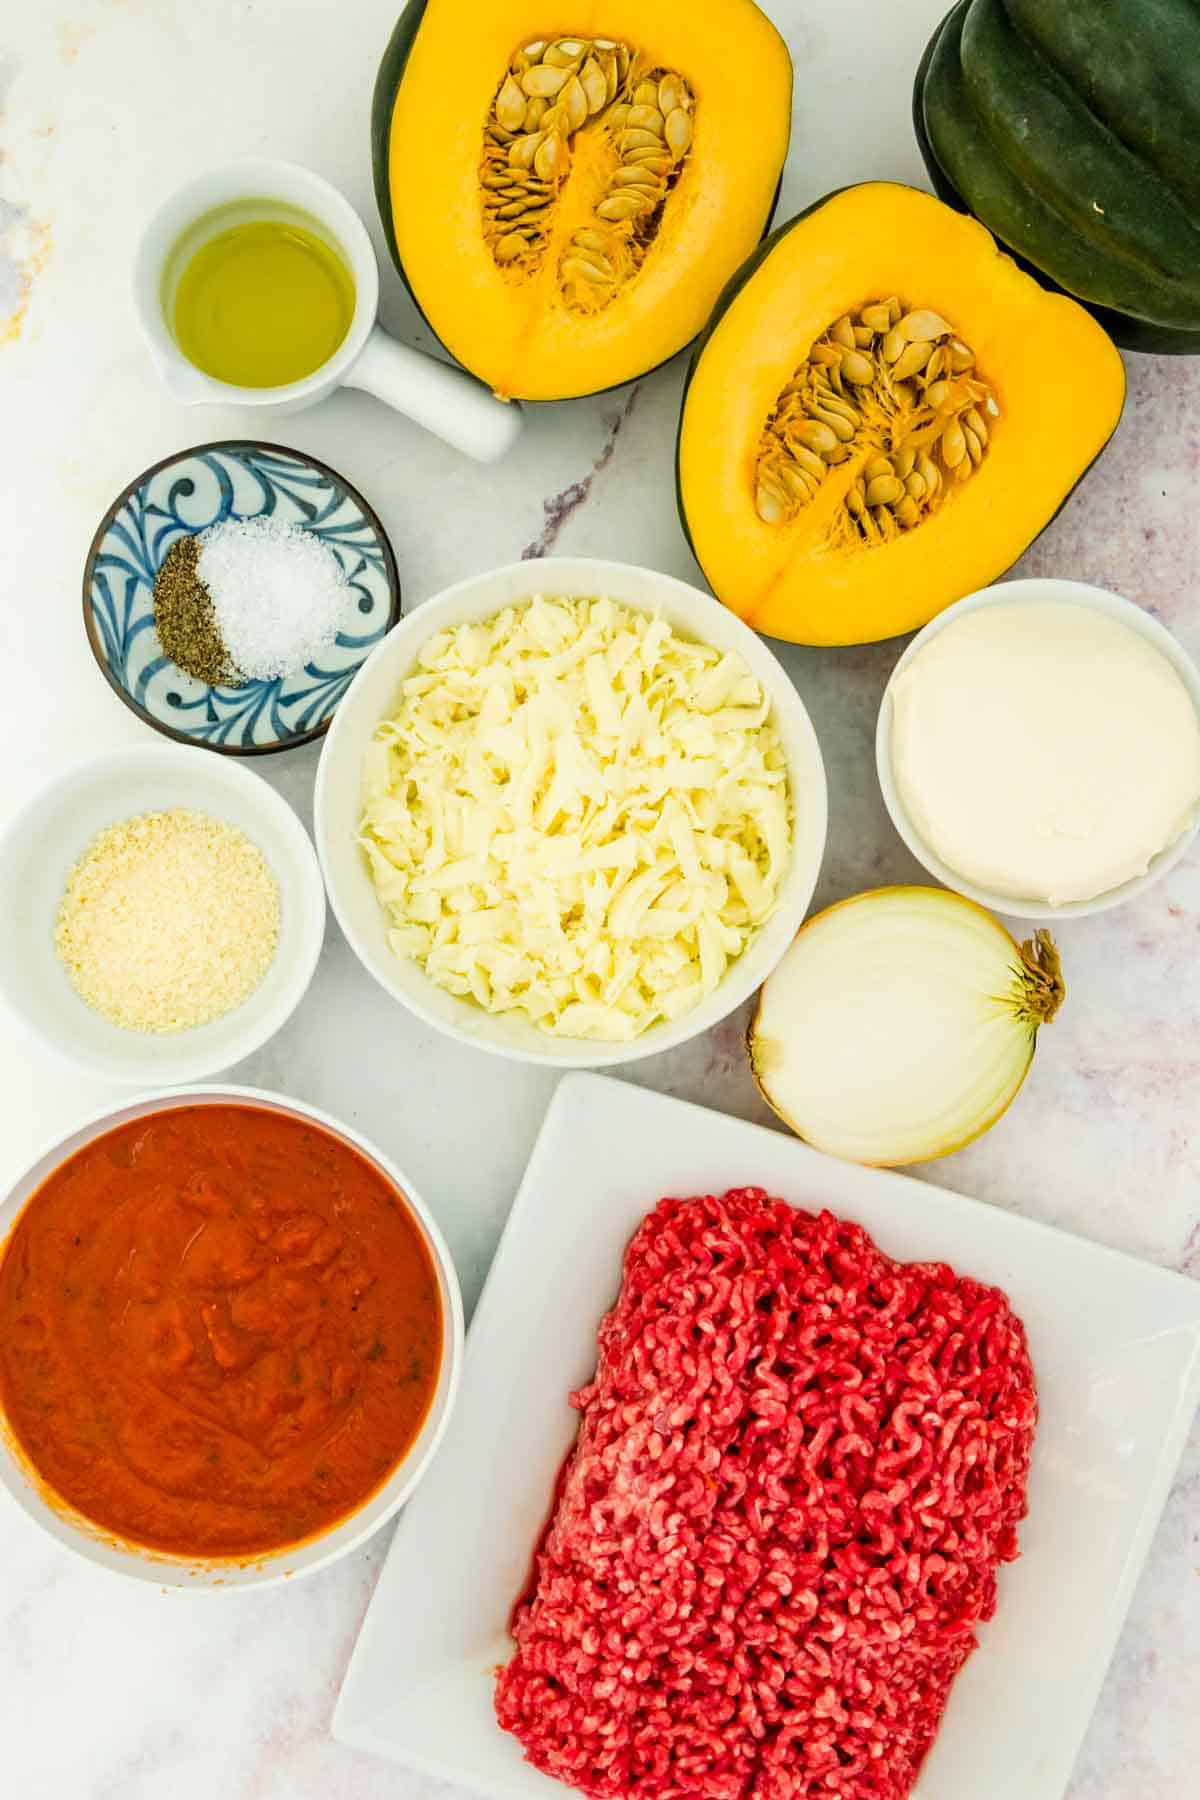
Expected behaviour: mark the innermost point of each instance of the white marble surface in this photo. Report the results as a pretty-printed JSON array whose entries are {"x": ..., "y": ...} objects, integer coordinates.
[{"x": 119, "y": 1694}]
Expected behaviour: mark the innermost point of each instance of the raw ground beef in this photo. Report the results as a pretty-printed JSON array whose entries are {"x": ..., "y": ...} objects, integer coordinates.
[{"x": 798, "y": 1468}]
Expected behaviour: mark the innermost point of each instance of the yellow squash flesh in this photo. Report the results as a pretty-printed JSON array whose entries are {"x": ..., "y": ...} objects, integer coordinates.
[
  {"x": 517, "y": 334},
  {"x": 1057, "y": 379}
]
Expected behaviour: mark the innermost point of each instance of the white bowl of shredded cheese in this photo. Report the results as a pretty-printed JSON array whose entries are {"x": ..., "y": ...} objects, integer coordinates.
[
  {"x": 571, "y": 812},
  {"x": 165, "y": 914}
]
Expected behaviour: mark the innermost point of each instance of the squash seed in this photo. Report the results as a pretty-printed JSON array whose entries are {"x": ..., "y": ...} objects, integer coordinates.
[
  {"x": 858, "y": 368},
  {"x": 582, "y": 270},
  {"x": 574, "y": 100},
  {"x": 817, "y": 436},
  {"x": 769, "y": 506},
  {"x": 953, "y": 444},
  {"x": 591, "y": 80},
  {"x": 806, "y": 459},
  {"x": 522, "y": 150},
  {"x": 678, "y": 129},
  {"x": 619, "y": 206},
  {"x": 973, "y": 420},
  {"x": 637, "y": 138},
  {"x": 541, "y": 81},
  {"x": 798, "y": 482},
  {"x": 547, "y": 155},
  {"x": 911, "y": 361},
  {"x": 550, "y": 91},
  {"x": 842, "y": 424},
  {"x": 892, "y": 383},
  {"x": 884, "y": 490},
  {"x": 510, "y": 105},
  {"x": 920, "y": 327},
  {"x": 565, "y": 54}
]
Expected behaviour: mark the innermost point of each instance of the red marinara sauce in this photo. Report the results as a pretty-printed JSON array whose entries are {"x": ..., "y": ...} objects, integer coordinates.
[{"x": 220, "y": 1330}]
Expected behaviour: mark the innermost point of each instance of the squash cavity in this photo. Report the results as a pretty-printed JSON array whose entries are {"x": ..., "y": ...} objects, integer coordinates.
[{"x": 883, "y": 414}]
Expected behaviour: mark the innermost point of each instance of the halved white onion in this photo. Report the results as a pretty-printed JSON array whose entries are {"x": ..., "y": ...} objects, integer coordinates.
[{"x": 900, "y": 1024}]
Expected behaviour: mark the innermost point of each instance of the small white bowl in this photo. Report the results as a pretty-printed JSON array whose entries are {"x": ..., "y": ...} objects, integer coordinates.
[
  {"x": 41, "y": 844},
  {"x": 374, "y": 691},
  {"x": 1059, "y": 593},
  {"x": 216, "y": 1574}
]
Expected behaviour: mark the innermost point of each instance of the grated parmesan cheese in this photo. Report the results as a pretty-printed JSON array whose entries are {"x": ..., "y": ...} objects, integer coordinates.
[
  {"x": 576, "y": 814},
  {"x": 168, "y": 920}
]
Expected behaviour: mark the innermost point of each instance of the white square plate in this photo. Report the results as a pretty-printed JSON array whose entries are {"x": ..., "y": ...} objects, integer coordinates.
[{"x": 1116, "y": 1350}]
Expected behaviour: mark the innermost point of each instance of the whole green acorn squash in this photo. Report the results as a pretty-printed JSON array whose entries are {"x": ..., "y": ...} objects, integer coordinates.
[{"x": 1071, "y": 129}]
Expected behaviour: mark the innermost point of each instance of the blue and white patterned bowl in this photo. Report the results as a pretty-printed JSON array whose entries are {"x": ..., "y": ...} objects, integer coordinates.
[{"x": 184, "y": 494}]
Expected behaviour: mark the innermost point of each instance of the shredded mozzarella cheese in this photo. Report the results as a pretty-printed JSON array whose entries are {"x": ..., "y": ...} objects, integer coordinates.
[{"x": 576, "y": 814}]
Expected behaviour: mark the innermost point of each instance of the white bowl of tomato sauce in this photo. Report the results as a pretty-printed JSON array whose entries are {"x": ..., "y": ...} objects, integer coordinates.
[{"x": 230, "y": 1338}]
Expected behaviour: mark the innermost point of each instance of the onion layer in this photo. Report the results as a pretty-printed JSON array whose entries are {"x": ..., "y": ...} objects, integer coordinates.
[{"x": 900, "y": 1024}]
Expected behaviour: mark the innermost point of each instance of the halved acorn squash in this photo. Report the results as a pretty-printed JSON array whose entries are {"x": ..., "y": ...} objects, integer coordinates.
[
  {"x": 565, "y": 207},
  {"x": 883, "y": 414}
]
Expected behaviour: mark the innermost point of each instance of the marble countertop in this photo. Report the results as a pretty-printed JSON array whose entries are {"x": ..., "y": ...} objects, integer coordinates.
[{"x": 111, "y": 1692}]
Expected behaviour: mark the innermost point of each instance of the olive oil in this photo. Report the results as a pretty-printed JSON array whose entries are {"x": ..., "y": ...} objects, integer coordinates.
[{"x": 263, "y": 303}]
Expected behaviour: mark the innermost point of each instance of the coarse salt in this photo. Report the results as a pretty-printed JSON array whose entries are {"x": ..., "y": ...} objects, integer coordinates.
[{"x": 279, "y": 596}]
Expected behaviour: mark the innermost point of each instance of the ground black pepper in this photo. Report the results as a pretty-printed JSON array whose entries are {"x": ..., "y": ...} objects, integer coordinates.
[{"x": 184, "y": 618}]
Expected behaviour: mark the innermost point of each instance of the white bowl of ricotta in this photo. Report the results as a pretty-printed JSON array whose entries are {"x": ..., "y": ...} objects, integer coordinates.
[
  {"x": 373, "y": 698},
  {"x": 1038, "y": 748}
]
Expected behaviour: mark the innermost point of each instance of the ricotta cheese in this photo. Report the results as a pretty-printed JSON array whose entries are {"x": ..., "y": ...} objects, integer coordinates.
[{"x": 1045, "y": 751}]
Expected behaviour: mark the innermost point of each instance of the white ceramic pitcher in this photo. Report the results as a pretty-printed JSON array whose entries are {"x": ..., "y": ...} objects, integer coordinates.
[{"x": 446, "y": 401}]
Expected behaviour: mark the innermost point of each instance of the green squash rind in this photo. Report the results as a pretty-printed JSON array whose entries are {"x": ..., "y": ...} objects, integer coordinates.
[
  {"x": 956, "y": 137},
  {"x": 1060, "y": 151},
  {"x": 737, "y": 281},
  {"x": 967, "y": 172},
  {"x": 383, "y": 102},
  {"x": 1151, "y": 100}
]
